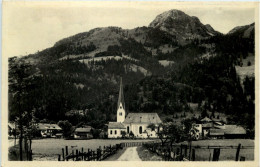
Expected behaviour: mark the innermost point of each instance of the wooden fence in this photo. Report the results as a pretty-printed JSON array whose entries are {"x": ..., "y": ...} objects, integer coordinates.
[
  {"x": 134, "y": 144},
  {"x": 187, "y": 152},
  {"x": 95, "y": 155}
]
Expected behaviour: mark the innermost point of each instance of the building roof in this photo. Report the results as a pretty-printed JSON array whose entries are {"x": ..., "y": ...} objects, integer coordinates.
[
  {"x": 121, "y": 95},
  {"x": 88, "y": 129},
  {"x": 207, "y": 125},
  {"x": 45, "y": 126},
  {"x": 206, "y": 119},
  {"x": 216, "y": 132},
  {"x": 115, "y": 125},
  {"x": 147, "y": 118},
  {"x": 234, "y": 129}
]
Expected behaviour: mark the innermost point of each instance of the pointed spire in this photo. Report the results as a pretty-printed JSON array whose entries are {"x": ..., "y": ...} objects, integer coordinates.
[{"x": 121, "y": 95}]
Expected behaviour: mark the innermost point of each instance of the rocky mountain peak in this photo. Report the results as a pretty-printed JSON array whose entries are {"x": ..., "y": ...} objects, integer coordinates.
[{"x": 182, "y": 25}]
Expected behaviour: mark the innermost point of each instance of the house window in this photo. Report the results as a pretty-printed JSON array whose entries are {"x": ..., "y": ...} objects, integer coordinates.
[
  {"x": 127, "y": 129},
  {"x": 115, "y": 132},
  {"x": 111, "y": 132},
  {"x": 140, "y": 129},
  {"x": 120, "y": 113}
]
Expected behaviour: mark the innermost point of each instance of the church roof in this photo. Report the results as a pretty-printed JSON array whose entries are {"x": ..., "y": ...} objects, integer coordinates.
[
  {"x": 121, "y": 95},
  {"x": 115, "y": 125},
  {"x": 146, "y": 118}
]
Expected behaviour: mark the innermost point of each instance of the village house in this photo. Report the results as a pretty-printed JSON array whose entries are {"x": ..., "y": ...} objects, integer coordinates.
[
  {"x": 84, "y": 132},
  {"x": 216, "y": 129},
  {"x": 135, "y": 124},
  {"x": 49, "y": 130}
]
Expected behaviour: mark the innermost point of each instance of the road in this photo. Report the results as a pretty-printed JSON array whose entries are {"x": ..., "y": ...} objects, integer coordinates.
[{"x": 130, "y": 154}]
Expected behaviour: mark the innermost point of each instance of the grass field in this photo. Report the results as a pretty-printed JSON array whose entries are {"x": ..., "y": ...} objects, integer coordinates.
[
  {"x": 48, "y": 149},
  {"x": 225, "y": 154}
]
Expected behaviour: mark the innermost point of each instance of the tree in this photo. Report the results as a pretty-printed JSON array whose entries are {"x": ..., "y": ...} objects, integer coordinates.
[
  {"x": 123, "y": 133},
  {"x": 21, "y": 82},
  {"x": 95, "y": 133},
  {"x": 131, "y": 134},
  {"x": 170, "y": 132},
  {"x": 66, "y": 127}
]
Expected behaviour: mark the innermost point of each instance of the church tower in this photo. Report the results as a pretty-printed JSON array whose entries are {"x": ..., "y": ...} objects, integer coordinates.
[{"x": 121, "y": 104}]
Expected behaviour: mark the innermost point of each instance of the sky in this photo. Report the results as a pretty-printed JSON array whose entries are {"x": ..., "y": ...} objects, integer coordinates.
[{"x": 29, "y": 27}]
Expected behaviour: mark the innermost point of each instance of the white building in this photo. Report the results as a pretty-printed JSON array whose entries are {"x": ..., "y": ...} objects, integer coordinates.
[{"x": 134, "y": 123}]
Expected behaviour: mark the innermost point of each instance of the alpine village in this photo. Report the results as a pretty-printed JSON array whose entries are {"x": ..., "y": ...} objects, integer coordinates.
[{"x": 177, "y": 90}]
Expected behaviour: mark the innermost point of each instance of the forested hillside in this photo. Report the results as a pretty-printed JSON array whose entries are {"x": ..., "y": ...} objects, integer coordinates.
[{"x": 82, "y": 72}]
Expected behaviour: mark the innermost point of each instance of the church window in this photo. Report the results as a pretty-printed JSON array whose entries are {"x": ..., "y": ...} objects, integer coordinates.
[
  {"x": 120, "y": 107},
  {"x": 120, "y": 113},
  {"x": 140, "y": 129},
  {"x": 115, "y": 132},
  {"x": 127, "y": 129},
  {"x": 111, "y": 132}
]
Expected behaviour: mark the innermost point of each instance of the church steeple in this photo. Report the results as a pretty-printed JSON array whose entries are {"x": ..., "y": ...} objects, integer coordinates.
[
  {"x": 121, "y": 104},
  {"x": 121, "y": 95}
]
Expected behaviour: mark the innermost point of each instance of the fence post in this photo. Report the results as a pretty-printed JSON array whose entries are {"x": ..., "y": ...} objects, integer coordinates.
[
  {"x": 77, "y": 154},
  {"x": 30, "y": 155},
  {"x": 190, "y": 142},
  {"x": 181, "y": 150},
  {"x": 185, "y": 151},
  {"x": 193, "y": 155},
  {"x": 169, "y": 154},
  {"x": 216, "y": 154},
  {"x": 238, "y": 150},
  {"x": 88, "y": 153},
  {"x": 73, "y": 155},
  {"x": 63, "y": 156},
  {"x": 67, "y": 152},
  {"x": 82, "y": 152}
]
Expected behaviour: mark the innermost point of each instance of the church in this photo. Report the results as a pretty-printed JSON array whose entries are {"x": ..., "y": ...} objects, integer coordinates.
[{"x": 134, "y": 123}]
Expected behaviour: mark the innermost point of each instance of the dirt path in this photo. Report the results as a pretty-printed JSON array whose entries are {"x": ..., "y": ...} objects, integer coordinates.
[{"x": 130, "y": 154}]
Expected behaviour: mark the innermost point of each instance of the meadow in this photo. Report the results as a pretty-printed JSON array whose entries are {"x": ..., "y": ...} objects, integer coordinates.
[{"x": 48, "y": 149}]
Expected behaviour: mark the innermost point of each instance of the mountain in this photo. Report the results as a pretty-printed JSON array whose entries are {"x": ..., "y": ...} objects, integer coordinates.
[
  {"x": 246, "y": 31},
  {"x": 166, "y": 67},
  {"x": 164, "y": 34},
  {"x": 182, "y": 25}
]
